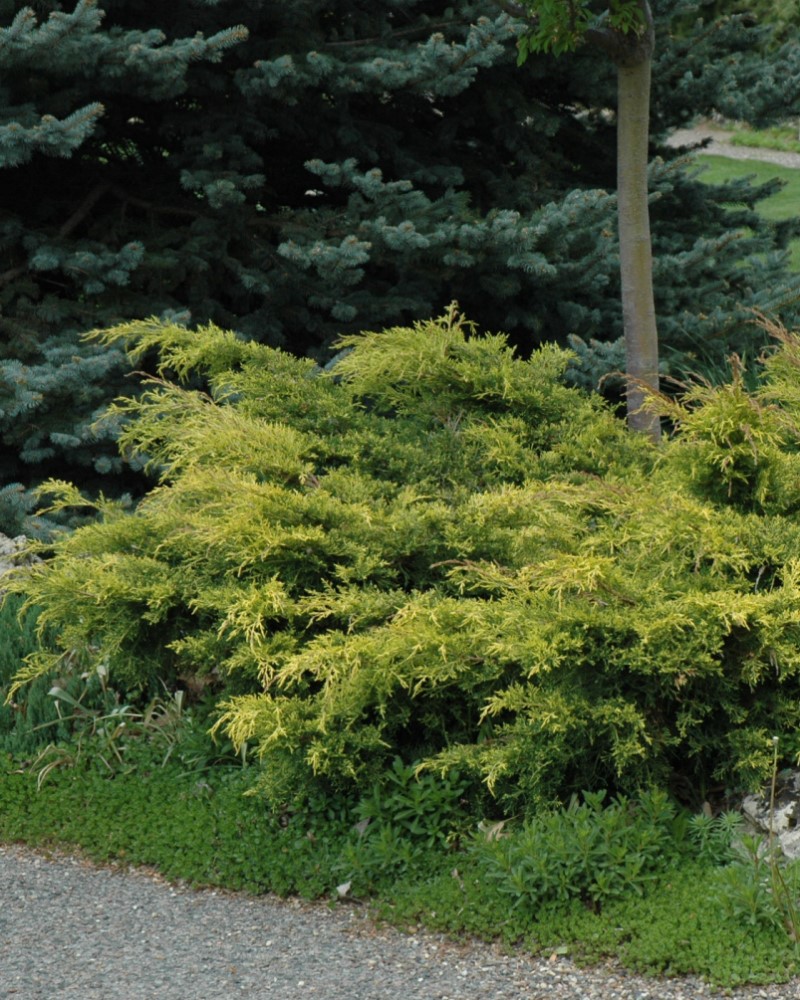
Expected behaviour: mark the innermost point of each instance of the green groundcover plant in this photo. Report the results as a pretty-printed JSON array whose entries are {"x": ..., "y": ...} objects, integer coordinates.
[{"x": 437, "y": 551}]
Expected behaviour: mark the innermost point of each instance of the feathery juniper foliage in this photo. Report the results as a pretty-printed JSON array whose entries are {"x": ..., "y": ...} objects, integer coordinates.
[{"x": 438, "y": 550}]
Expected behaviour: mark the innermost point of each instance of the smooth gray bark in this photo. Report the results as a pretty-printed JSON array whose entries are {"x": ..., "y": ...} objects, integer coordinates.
[
  {"x": 631, "y": 52},
  {"x": 635, "y": 247}
]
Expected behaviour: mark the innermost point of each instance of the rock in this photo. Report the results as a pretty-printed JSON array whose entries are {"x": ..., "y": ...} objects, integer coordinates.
[
  {"x": 785, "y": 821},
  {"x": 10, "y": 549}
]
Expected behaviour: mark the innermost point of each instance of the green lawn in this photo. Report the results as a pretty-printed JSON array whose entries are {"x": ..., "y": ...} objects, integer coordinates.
[{"x": 783, "y": 205}]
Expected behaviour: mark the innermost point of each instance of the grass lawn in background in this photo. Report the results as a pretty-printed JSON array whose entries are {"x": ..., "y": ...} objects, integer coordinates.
[{"x": 783, "y": 205}]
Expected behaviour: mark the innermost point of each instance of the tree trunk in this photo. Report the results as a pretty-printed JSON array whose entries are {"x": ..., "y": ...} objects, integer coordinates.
[{"x": 635, "y": 251}]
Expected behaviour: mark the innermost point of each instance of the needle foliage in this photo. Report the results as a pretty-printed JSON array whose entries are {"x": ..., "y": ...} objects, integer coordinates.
[{"x": 439, "y": 551}]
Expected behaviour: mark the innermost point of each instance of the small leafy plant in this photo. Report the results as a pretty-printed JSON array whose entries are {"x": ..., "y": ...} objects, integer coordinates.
[
  {"x": 107, "y": 731},
  {"x": 35, "y": 715},
  {"x": 74, "y": 715},
  {"x": 587, "y": 852},
  {"x": 756, "y": 889},
  {"x": 405, "y": 816},
  {"x": 426, "y": 808},
  {"x": 713, "y": 837}
]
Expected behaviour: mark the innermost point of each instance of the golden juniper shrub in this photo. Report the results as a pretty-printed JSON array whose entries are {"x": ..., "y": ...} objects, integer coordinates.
[{"x": 439, "y": 550}]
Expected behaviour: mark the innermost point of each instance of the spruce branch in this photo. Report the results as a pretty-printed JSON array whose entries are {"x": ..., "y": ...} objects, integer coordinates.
[
  {"x": 419, "y": 29},
  {"x": 10, "y": 275},
  {"x": 65, "y": 230},
  {"x": 517, "y": 10},
  {"x": 84, "y": 208},
  {"x": 196, "y": 213},
  {"x": 150, "y": 206}
]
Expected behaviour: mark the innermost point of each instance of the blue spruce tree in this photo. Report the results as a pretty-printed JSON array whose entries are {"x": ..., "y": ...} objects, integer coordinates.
[{"x": 298, "y": 171}]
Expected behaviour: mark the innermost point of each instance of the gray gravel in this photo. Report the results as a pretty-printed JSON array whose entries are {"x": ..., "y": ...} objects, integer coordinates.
[
  {"x": 720, "y": 146},
  {"x": 72, "y": 930}
]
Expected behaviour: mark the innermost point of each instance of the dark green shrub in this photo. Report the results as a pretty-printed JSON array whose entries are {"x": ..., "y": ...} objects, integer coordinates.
[{"x": 423, "y": 808}]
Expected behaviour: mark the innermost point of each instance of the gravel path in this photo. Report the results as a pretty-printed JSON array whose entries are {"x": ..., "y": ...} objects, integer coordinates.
[
  {"x": 72, "y": 930},
  {"x": 719, "y": 146}
]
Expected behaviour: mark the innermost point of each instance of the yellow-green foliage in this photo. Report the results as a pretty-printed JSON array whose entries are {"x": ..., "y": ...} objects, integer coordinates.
[{"x": 440, "y": 550}]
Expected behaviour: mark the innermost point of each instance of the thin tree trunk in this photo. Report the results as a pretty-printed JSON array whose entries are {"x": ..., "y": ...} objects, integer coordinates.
[{"x": 636, "y": 258}]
